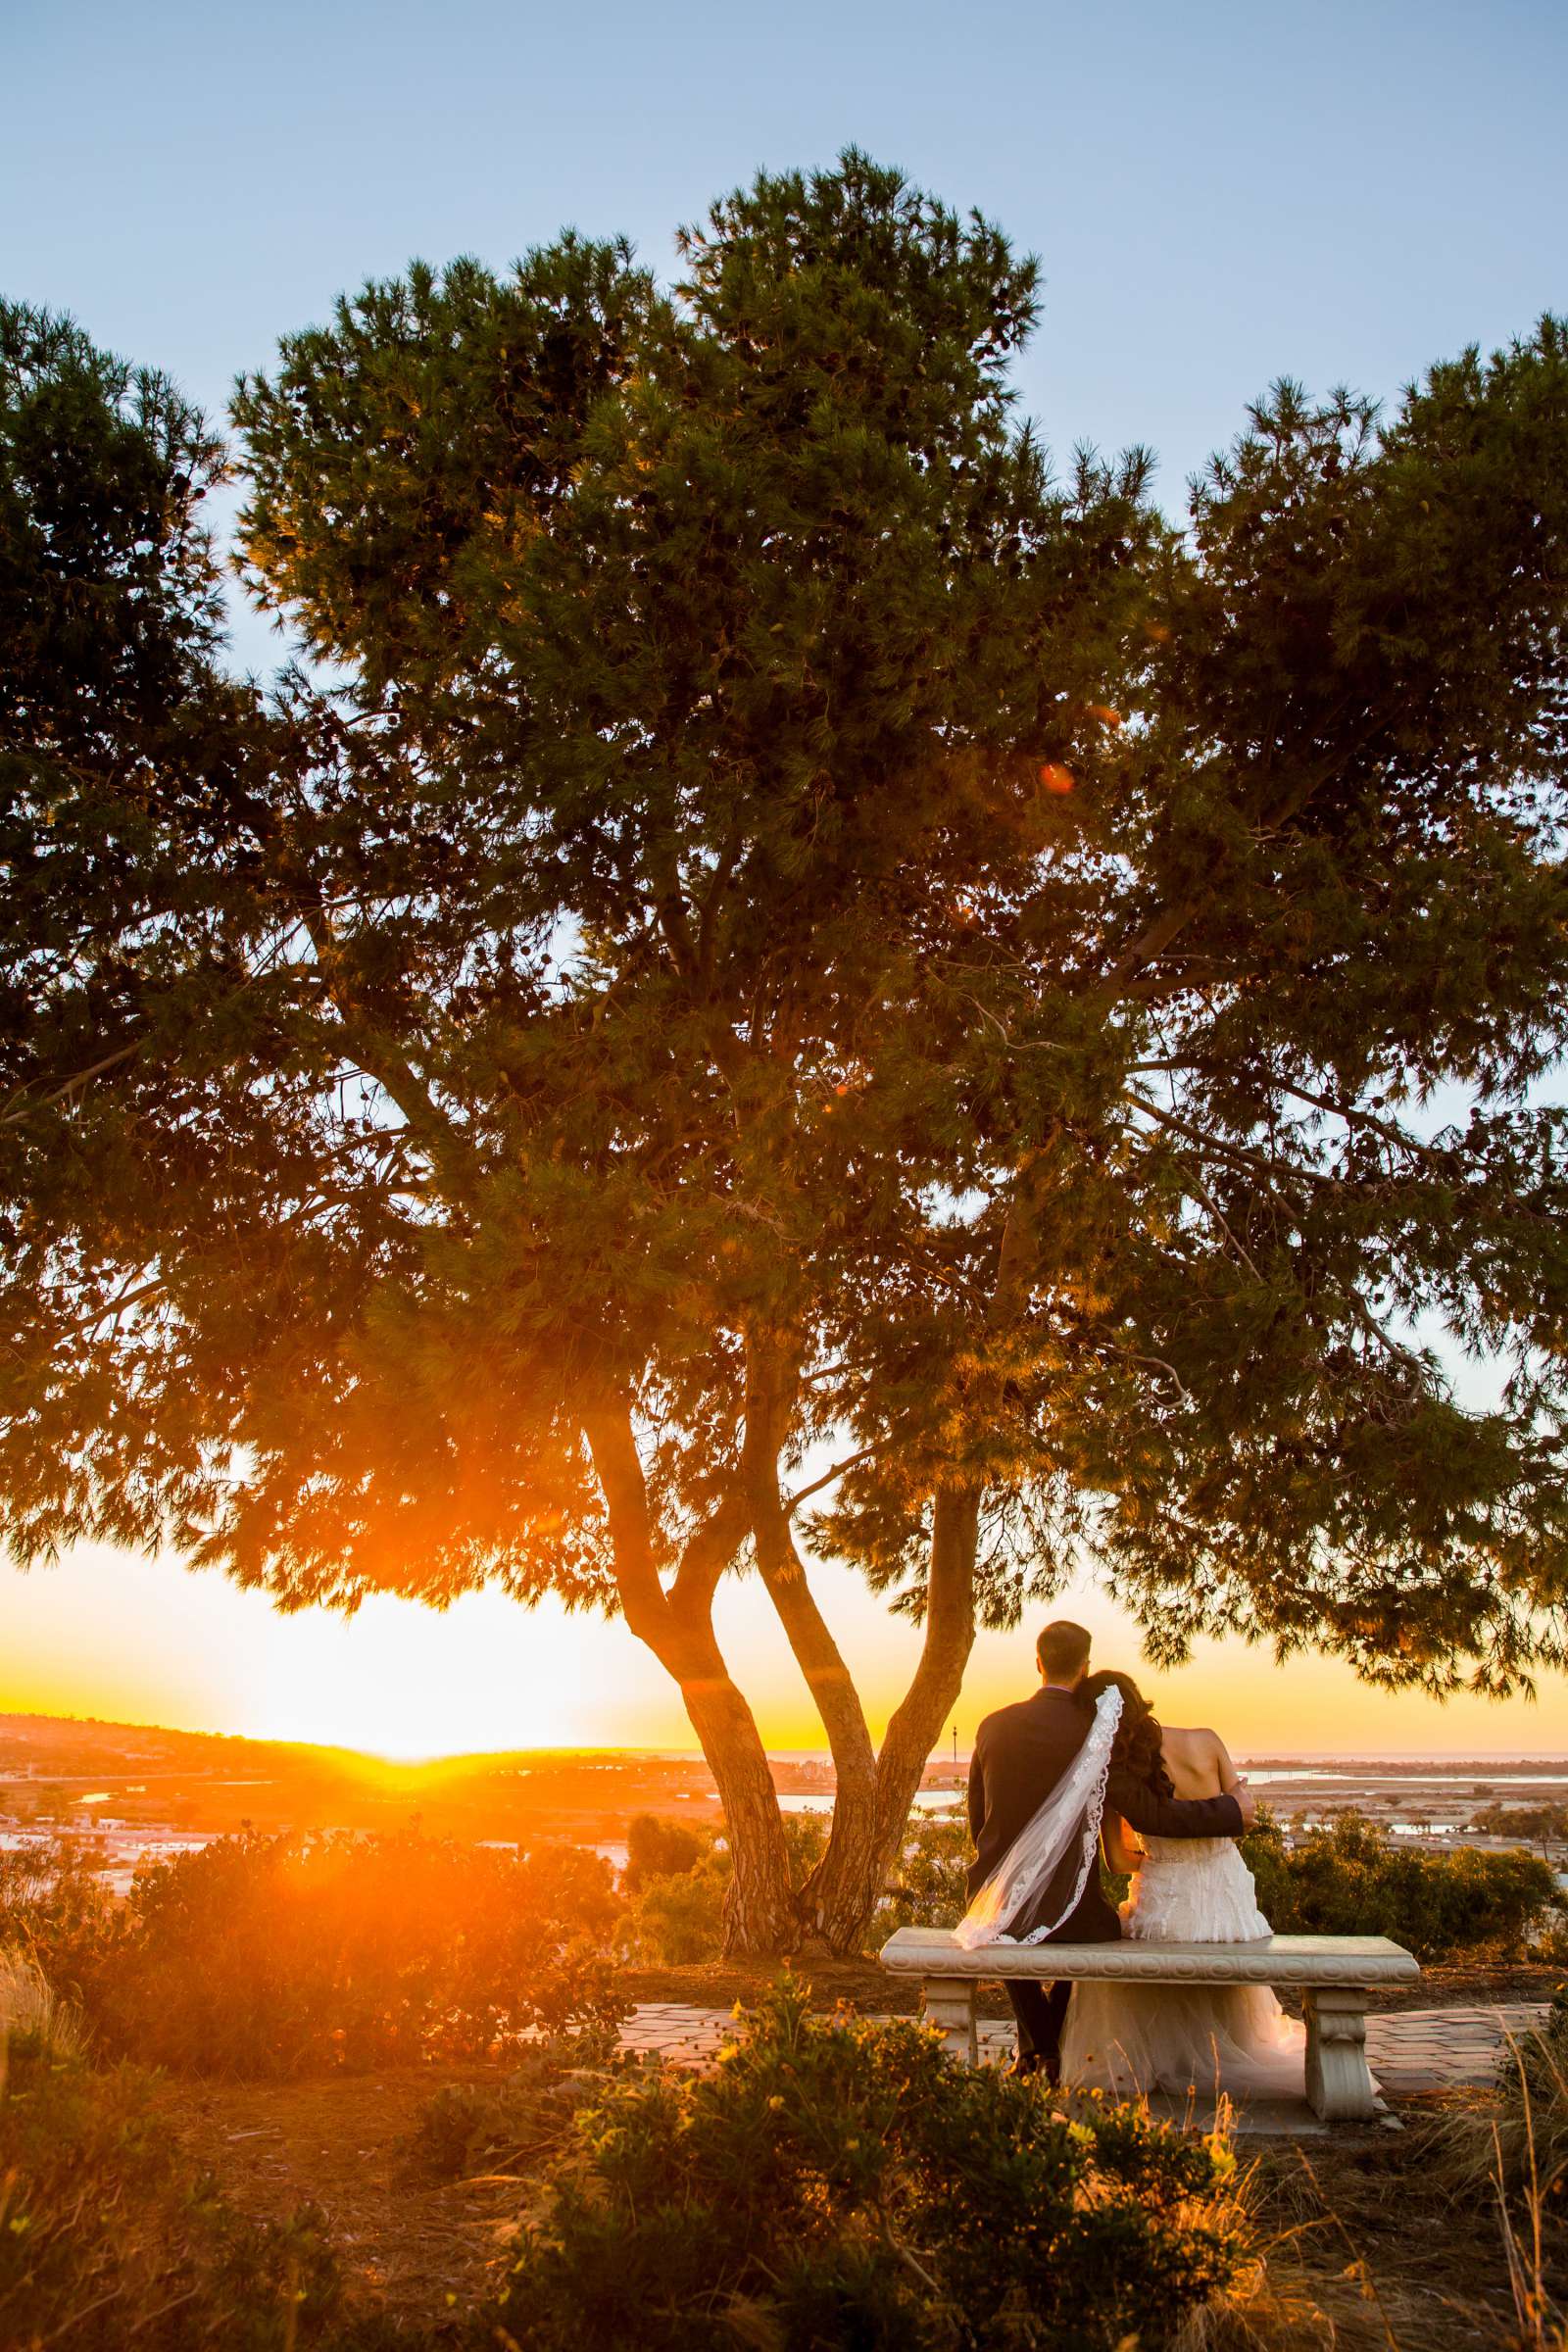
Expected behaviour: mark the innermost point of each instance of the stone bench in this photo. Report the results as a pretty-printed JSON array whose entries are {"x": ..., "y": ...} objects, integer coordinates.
[{"x": 1333, "y": 1972}]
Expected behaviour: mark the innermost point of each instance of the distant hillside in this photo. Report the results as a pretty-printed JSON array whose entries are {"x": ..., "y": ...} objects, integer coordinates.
[
  {"x": 54, "y": 1741},
  {"x": 44, "y": 1738},
  {"x": 214, "y": 1780}
]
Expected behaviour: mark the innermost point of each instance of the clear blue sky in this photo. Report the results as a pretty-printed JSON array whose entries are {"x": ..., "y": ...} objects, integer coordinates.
[{"x": 1218, "y": 195}]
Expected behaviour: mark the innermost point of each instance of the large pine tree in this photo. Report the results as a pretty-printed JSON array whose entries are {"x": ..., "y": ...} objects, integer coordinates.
[{"x": 787, "y": 984}]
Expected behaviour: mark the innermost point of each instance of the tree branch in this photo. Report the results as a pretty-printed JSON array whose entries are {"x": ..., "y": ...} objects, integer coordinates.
[
  {"x": 708, "y": 1551},
  {"x": 792, "y": 1502},
  {"x": 112, "y": 1307},
  {"x": 1152, "y": 942},
  {"x": 607, "y": 1424},
  {"x": 1373, "y": 1328},
  {"x": 14, "y": 1117},
  {"x": 1223, "y": 1148},
  {"x": 1353, "y": 1115},
  {"x": 1202, "y": 1193},
  {"x": 708, "y": 921},
  {"x": 771, "y": 1378}
]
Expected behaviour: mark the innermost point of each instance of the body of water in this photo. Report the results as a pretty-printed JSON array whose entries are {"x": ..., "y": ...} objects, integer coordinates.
[
  {"x": 814, "y": 1800},
  {"x": 1267, "y": 1777}
]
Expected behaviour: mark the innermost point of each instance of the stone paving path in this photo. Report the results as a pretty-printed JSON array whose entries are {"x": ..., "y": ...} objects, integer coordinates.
[
  {"x": 1440, "y": 2049},
  {"x": 1408, "y": 2051}
]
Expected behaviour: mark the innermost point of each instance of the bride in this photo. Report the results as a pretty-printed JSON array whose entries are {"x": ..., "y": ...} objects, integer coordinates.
[{"x": 1128, "y": 2038}]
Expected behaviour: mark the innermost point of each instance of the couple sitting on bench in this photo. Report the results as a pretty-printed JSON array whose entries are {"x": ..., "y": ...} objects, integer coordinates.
[{"x": 1083, "y": 1767}]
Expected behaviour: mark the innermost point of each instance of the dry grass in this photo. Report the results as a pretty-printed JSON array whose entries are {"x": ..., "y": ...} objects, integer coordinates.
[
  {"x": 1534, "y": 2168},
  {"x": 1299, "y": 2243},
  {"x": 1363, "y": 2247},
  {"x": 1507, "y": 2151},
  {"x": 29, "y": 2009},
  {"x": 1268, "y": 2307}
]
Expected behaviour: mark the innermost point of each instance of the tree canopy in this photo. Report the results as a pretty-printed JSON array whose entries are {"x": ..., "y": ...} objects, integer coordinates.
[{"x": 789, "y": 982}]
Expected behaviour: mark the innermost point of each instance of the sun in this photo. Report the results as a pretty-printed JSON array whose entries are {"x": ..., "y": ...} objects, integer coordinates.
[{"x": 409, "y": 1685}]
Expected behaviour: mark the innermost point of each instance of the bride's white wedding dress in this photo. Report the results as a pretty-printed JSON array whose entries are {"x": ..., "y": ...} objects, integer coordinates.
[{"x": 1128, "y": 2038}]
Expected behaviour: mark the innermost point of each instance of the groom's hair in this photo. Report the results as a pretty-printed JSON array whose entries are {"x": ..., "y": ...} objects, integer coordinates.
[{"x": 1062, "y": 1648}]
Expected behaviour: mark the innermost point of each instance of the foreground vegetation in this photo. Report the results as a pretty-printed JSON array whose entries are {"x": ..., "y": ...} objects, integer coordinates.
[
  {"x": 279, "y": 1955},
  {"x": 848, "y": 2183},
  {"x": 829, "y": 2182},
  {"x": 108, "y": 2237}
]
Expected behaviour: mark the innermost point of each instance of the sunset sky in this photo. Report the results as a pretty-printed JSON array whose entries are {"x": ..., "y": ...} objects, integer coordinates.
[
  {"x": 1218, "y": 195},
  {"x": 130, "y": 1638}
]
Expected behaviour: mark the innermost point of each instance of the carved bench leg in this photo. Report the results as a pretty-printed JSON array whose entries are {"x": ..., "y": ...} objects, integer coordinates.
[
  {"x": 1338, "y": 2084},
  {"x": 950, "y": 2006}
]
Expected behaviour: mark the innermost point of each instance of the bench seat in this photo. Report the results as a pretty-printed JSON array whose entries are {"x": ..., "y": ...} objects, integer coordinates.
[{"x": 1334, "y": 1974}]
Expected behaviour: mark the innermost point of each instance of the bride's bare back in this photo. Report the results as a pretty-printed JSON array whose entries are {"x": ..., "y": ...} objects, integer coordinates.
[{"x": 1197, "y": 1762}]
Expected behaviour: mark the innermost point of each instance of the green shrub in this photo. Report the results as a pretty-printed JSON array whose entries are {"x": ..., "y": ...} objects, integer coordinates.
[
  {"x": 927, "y": 1886},
  {"x": 847, "y": 2183},
  {"x": 678, "y": 1875},
  {"x": 806, "y": 1837},
  {"x": 1354, "y": 1878},
  {"x": 515, "y": 2125},
  {"x": 663, "y": 1849},
  {"x": 271, "y": 1955},
  {"x": 1532, "y": 1824},
  {"x": 678, "y": 1921},
  {"x": 49, "y": 1890},
  {"x": 275, "y": 1954},
  {"x": 56, "y": 1911}
]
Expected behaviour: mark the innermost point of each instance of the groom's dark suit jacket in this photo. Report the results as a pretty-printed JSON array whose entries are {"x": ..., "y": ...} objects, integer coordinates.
[{"x": 1020, "y": 1753}]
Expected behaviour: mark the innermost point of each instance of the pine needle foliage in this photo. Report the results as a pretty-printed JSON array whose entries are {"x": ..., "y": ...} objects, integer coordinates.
[{"x": 792, "y": 982}]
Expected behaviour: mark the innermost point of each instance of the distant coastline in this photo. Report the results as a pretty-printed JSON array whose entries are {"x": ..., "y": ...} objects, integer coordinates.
[
  {"x": 136, "y": 1794},
  {"x": 1462, "y": 1760}
]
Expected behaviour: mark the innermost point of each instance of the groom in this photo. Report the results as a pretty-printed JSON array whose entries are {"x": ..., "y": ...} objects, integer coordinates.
[{"x": 1020, "y": 1753}]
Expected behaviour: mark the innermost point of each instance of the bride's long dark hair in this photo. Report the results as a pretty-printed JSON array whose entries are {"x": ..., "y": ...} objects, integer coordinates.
[{"x": 1137, "y": 1734}]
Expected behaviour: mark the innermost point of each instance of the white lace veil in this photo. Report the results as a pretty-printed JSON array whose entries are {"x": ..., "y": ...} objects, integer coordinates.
[{"x": 1067, "y": 1822}]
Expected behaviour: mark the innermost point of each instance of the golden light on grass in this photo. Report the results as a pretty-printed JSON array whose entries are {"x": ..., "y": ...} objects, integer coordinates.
[{"x": 28, "y": 2006}]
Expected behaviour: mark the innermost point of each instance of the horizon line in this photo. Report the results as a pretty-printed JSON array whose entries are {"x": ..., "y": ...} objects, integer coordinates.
[{"x": 1466, "y": 1754}]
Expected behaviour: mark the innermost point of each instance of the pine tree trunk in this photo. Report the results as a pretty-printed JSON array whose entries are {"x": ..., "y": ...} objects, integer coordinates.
[
  {"x": 759, "y": 1918},
  {"x": 836, "y": 1902},
  {"x": 677, "y": 1626},
  {"x": 829, "y": 1905},
  {"x": 759, "y": 1915},
  {"x": 834, "y": 1908},
  {"x": 842, "y": 1892},
  {"x": 871, "y": 1811}
]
